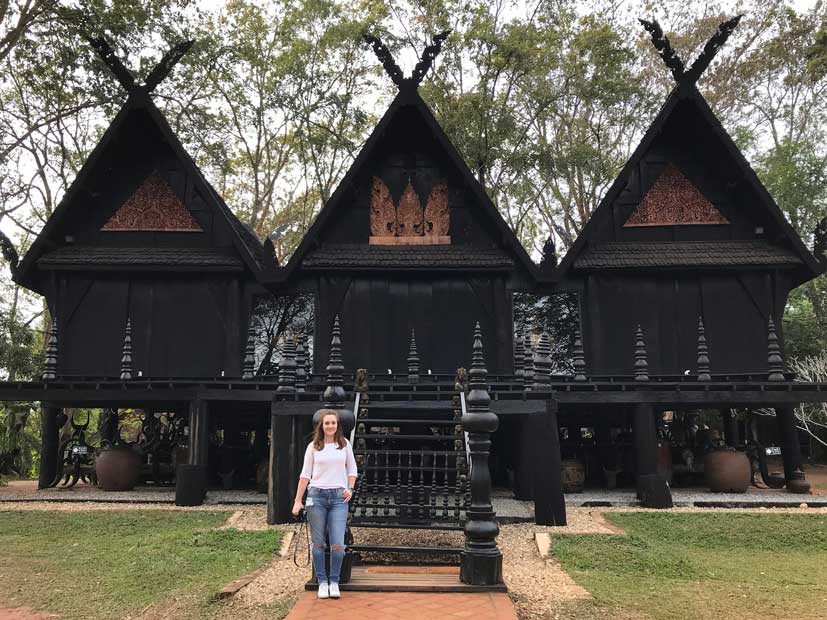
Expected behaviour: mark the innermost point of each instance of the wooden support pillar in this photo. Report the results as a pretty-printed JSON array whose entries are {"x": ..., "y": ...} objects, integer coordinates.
[
  {"x": 281, "y": 485},
  {"x": 49, "y": 446},
  {"x": 199, "y": 432},
  {"x": 730, "y": 427},
  {"x": 521, "y": 440},
  {"x": 652, "y": 489},
  {"x": 549, "y": 502},
  {"x": 790, "y": 446}
]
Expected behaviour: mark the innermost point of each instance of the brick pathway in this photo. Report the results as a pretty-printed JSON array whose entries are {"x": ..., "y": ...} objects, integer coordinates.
[{"x": 404, "y": 606}]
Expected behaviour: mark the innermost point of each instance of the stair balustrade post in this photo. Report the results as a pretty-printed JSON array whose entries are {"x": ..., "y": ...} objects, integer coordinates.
[{"x": 481, "y": 561}]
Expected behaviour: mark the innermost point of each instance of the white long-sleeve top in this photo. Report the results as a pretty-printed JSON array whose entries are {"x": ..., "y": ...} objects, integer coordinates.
[{"x": 329, "y": 467}]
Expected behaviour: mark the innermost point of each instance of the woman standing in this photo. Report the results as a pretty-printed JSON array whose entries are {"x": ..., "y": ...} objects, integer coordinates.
[{"x": 328, "y": 475}]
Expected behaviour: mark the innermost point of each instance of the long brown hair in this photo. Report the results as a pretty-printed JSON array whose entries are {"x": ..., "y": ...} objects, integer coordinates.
[{"x": 318, "y": 431}]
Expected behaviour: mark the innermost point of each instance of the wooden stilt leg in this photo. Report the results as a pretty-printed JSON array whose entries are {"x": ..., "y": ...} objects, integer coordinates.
[
  {"x": 652, "y": 489},
  {"x": 279, "y": 494},
  {"x": 49, "y": 446},
  {"x": 549, "y": 501}
]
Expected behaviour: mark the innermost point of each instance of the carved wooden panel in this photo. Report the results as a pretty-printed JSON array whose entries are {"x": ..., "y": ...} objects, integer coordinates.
[
  {"x": 437, "y": 213},
  {"x": 673, "y": 199},
  {"x": 382, "y": 211},
  {"x": 154, "y": 206},
  {"x": 409, "y": 214}
]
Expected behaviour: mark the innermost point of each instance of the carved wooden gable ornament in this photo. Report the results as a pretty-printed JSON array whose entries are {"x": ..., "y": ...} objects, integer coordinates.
[
  {"x": 408, "y": 223},
  {"x": 674, "y": 200},
  {"x": 154, "y": 206}
]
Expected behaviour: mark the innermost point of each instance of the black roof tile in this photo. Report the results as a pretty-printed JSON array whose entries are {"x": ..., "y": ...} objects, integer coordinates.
[
  {"x": 618, "y": 255},
  {"x": 133, "y": 257},
  {"x": 379, "y": 257}
]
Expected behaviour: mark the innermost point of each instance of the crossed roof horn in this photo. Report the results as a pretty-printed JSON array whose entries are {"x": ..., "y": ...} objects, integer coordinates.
[
  {"x": 422, "y": 67},
  {"x": 673, "y": 61},
  {"x": 125, "y": 76}
]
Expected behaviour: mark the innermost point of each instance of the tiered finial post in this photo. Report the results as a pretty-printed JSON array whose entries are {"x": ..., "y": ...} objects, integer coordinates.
[
  {"x": 413, "y": 360},
  {"x": 334, "y": 394},
  {"x": 775, "y": 362},
  {"x": 481, "y": 562},
  {"x": 641, "y": 360},
  {"x": 301, "y": 365},
  {"x": 248, "y": 368},
  {"x": 542, "y": 364},
  {"x": 287, "y": 366},
  {"x": 579, "y": 357},
  {"x": 50, "y": 365},
  {"x": 126, "y": 357},
  {"x": 519, "y": 359},
  {"x": 703, "y": 353},
  {"x": 528, "y": 360}
]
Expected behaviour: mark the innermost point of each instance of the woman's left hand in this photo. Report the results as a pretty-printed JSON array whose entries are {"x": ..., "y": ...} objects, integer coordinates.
[{"x": 346, "y": 495}]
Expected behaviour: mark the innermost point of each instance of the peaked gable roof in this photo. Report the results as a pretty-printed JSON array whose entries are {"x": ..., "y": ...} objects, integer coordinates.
[
  {"x": 688, "y": 92},
  {"x": 248, "y": 246},
  {"x": 409, "y": 97}
]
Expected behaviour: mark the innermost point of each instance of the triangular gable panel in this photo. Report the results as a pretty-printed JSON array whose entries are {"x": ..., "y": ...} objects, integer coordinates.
[
  {"x": 380, "y": 179},
  {"x": 153, "y": 207},
  {"x": 674, "y": 200}
]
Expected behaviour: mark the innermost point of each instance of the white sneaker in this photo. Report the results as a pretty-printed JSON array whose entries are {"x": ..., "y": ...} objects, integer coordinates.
[
  {"x": 334, "y": 590},
  {"x": 324, "y": 592}
]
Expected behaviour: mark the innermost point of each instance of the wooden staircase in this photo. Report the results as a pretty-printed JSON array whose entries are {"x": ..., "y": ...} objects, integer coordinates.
[{"x": 413, "y": 475}]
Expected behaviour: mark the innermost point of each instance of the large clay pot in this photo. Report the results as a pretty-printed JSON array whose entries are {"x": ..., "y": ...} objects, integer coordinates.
[
  {"x": 118, "y": 468},
  {"x": 573, "y": 476},
  {"x": 727, "y": 471}
]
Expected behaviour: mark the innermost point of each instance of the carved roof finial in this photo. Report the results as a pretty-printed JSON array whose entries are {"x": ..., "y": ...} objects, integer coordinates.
[
  {"x": 125, "y": 76},
  {"x": 392, "y": 69},
  {"x": 673, "y": 61}
]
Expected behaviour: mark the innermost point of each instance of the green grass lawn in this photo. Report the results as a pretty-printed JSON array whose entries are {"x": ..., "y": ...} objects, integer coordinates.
[
  {"x": 692, "y": 566},
  {"x": 107, "y": 565}
]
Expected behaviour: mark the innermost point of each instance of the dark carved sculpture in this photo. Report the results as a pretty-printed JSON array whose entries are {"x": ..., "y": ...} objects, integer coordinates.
[
  {"x": 673, "y": 61},
  {"x": 664, "y": 47},
  {"x": 126, "y": 357},
  {"x": 641, "y": 360},
  {"x": 9, "y": 252},
  {"x": 392, "y": 69},
  {"x": 819, "y": 241},
  {"x": 50, "y": 367}
]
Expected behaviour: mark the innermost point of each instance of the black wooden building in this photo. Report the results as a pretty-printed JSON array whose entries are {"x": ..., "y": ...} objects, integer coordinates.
[{"x": 682, "y": 275}]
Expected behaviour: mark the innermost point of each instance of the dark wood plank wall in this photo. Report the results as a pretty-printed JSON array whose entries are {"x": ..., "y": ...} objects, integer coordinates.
[
  {"x": 735, "y": 308},
  {"x": 181, "y": 326},
  {"x": 378, "y": 313}
]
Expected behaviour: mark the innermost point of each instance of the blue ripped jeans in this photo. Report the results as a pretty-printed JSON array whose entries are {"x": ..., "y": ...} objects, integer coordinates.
[{"x": 327, "y": 517}]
